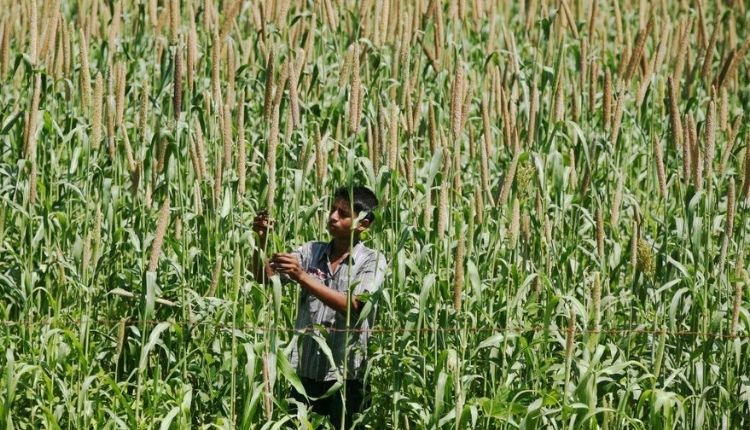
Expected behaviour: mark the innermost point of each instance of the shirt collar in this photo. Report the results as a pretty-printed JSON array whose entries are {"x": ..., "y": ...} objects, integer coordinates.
[{"x": 353, "y": 253}]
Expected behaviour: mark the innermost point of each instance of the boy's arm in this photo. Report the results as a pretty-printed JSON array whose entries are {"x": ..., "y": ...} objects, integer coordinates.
[{"x": 336, "y": 300}]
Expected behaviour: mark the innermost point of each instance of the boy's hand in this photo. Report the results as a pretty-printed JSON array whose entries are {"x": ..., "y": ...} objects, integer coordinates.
[
  {"x": 261, "y": 223},
  {"x": 288, "y": 264}
]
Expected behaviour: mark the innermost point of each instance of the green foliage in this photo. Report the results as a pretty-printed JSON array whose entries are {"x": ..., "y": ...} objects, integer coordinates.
[{"x": 91, "y": 339}]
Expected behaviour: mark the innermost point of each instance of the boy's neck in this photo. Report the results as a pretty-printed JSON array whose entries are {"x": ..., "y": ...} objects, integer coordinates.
[{"x": 340, "y": 245}]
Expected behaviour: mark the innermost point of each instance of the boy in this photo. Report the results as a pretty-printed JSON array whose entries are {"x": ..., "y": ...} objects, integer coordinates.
[{"x": 325, "y": 271}]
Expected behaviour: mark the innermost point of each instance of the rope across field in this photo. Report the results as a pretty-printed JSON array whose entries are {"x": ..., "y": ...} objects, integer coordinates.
[{"x": 59, "y": 322}]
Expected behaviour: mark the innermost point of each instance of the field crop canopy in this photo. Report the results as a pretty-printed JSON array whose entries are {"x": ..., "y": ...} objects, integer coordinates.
[{"x": 565, "y": 209}]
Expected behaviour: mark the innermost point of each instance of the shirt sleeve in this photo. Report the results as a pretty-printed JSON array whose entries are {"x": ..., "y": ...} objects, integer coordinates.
[
  {"x": 371, "y": 276},
  {"x": 303, "y": 255}
]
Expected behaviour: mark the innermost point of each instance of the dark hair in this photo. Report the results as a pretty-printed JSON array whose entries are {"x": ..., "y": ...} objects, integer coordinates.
[{"x": 361, "y": 198}]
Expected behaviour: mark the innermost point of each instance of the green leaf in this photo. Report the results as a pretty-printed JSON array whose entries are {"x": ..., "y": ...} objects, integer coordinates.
[
  {"x": 150, "y": 296},
  {"x": 289, "y": 373},
  {"x": 153, "y": 338},
  {"x": 226, "y": 205},
  {"x": 492, "y": 341}
]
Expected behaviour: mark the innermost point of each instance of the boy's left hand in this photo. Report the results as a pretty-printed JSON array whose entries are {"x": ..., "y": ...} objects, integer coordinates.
[{"x": 287, "y": 263}]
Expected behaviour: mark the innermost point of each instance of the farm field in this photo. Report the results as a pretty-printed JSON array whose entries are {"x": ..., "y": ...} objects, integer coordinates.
[{"x": 564, "y": 193}]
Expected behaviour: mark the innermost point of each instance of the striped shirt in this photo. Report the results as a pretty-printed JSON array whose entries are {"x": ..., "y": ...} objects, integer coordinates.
[{"x": 364, "y": 270}]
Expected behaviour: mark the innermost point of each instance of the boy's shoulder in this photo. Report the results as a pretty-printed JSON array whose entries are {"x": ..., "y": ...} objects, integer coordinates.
[{"x": 368, "y": 254}]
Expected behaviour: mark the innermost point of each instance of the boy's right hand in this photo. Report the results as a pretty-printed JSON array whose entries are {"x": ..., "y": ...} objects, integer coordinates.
[{"x": 261, "y": 223}]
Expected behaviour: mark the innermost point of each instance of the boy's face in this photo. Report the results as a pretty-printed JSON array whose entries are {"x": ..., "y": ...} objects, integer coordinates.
[{"x": 342, "y": 217}]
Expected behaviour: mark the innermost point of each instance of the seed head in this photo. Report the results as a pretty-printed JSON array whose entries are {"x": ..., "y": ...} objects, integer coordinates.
[
  {"x": 354, "y": 91},
  {"x": 559, "y": 101},
  {"x": 128, "y": 151},
  {"x": 696, "y": 158},
  {"x": 32, "y": 119},
  {"x": 478, "y": 203},
  {"x": 660, "y": 171},
  {"x": 634, "y": 245},
  {"x": 32, "y": 183},
  {"x": 33, "y": 29},
  {"x": 730, "y": 69},
  {"x": 486, "y": 144},
  {"x": 197, "y": 198},
  {"x": 85, "y": 74},
  {"x": 177, "y": 95},
  {"x": 4, "y": 52},
  {"x": 194, "y": 159},
  {"x": 174, "y": 20},
  {"x": 607, "y": 102},
  {"x": 227, "y": 136},
  {"x": 161, "y": 229},
  {"x": 458, "y": 266},
  {"x": 724, "y": 109},
  {"x": 320, "y": 156},
  {"x": 508, "y": 181},
  {"x": 533, "y": 112},
  {"x": 645, "y": 259},
  {"x": 295, "y": 71},
  {"x": 273, "y": 141},
  {"x": 457, "y": 99},
  {"x": 152, "y": 12},
  {"x": 215, "y": 68},
  {"x": 707, "y": 59},
  {"x": 200, "y": 151},
  {"x": 432, "y": 128},
  {"x": 192, "y": 51},
  {"x": 410, "y": 168},
  {"x": 682, "y": 52},
  {"x": 570, "y": 333},
  {"x": 345, "y": 69},
  {"x": 393, "y": 138},
  {"x": 283, "y": 78},
  {"x": 442, "y": 221},
  {"x": 515, "y": 220},
  {"x": 241, "y": 148},
  {"x": 619, "y": 107},
  {"x": 143, "y": 111},
  {"x": 135, "y": 178},
  {"x": 268, "y": 96},
  {"x": 674, "y": 113},
  {"x": 466, "y": 105},
  {"x": 710, "y": 140},
  {"x": 525, "y": 172},
  {"x": 119, "y": 92},
  {"x": 215, "y": 277}
]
